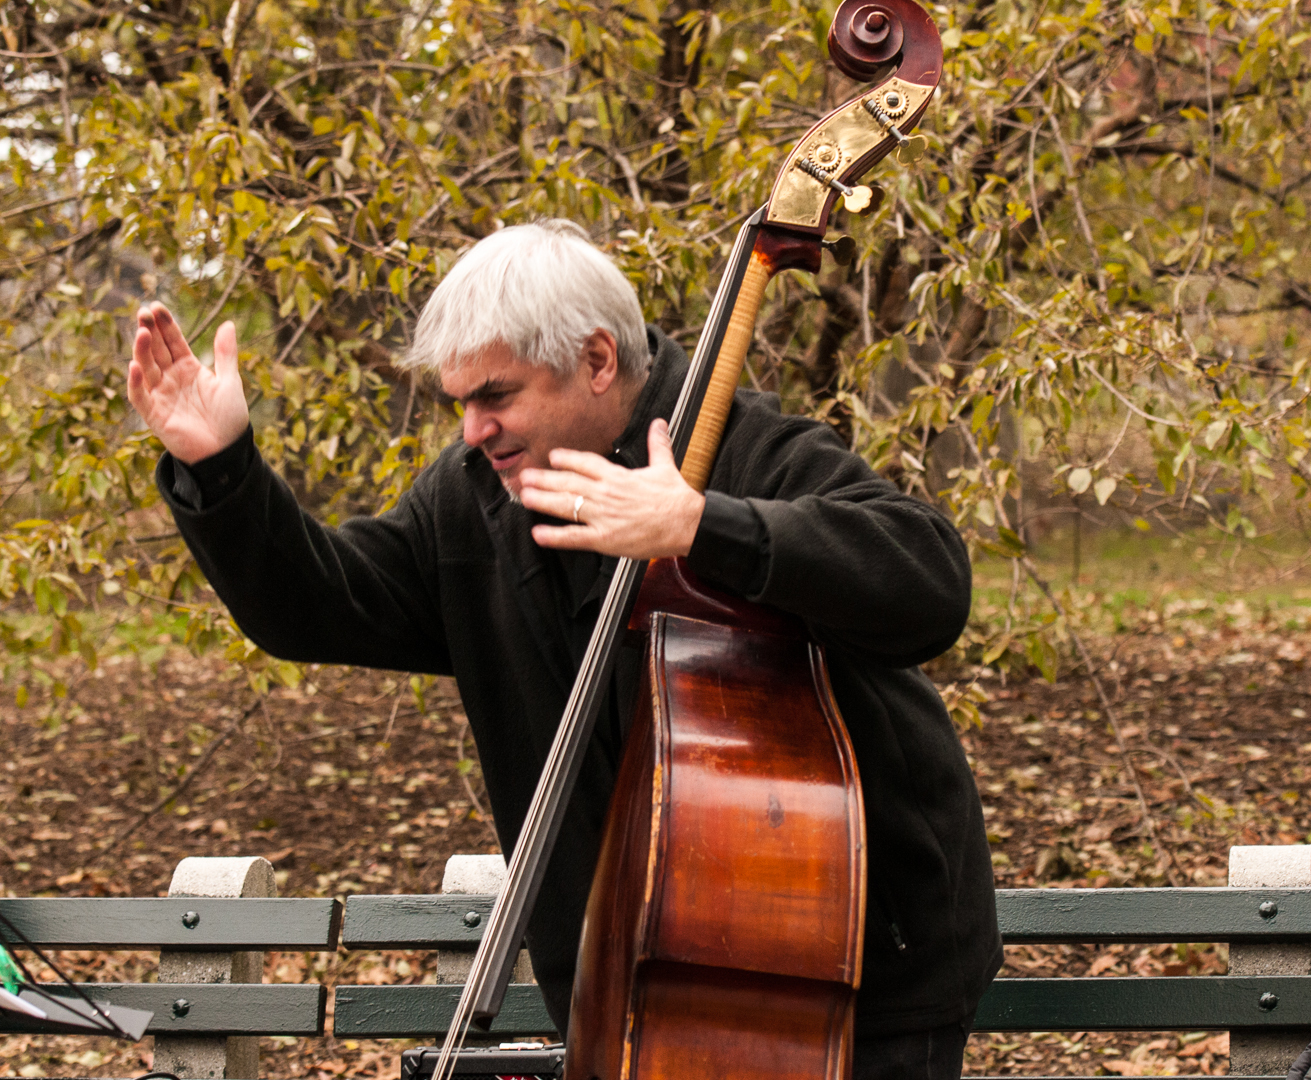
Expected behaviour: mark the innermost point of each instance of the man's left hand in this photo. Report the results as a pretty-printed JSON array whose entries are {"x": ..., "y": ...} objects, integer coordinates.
[{"x": 631, "y": 513}]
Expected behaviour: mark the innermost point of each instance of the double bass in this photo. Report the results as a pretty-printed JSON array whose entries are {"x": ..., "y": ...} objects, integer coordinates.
[{"x": 723, "y": 934}]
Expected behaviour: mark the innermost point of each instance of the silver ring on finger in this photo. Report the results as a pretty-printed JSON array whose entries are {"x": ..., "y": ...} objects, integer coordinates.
[{"x": 578, "y": 505}]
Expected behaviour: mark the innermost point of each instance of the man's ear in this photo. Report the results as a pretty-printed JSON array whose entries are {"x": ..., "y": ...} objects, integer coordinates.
[{"x": 601, "y": 357}]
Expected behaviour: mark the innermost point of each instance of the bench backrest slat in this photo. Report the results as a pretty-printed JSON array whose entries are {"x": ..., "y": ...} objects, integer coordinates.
[
  {"x": 392, "y": 1012},
  {"x": 1097, "y": 1004},
  {"x": 246, "y": 923},
  {"x": 1107, "y": 916},
  {"x": 441, "y": 921},
  {"x": 1088, "y": 1004},
  {"x": 1026, "y": 916}
]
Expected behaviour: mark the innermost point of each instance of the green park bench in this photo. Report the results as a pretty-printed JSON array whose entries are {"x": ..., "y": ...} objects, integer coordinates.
[
  {"x": 1027, "y": 917},
  {"x": 1265, "y": 1003},
  {"x": 1266, "y": 1008}
]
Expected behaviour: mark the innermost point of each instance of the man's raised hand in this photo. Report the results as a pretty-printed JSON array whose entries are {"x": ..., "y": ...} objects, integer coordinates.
[{"x": 193, "y": 411}]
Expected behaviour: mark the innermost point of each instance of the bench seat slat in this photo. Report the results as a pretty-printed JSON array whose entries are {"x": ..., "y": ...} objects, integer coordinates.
[
  {"x": 423, "y": 1011},
  {"x": 156, "y": 922},
  {"x": 1199, "y": 1003},
  {"x": 415, "y": 922},
  {"x": 1104, "y": 916},
  {"x": 215, "y": 1008},
  {"x": 1181, "y": 1003}
]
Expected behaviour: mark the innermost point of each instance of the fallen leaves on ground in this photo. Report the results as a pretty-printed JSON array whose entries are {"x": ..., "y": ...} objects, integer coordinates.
[{"x": 347, "y": 785}]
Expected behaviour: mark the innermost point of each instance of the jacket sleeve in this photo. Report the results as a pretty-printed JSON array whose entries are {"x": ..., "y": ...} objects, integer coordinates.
[
  {"x": 868, "y": 567},
  {"x": 358, "y": 594}
]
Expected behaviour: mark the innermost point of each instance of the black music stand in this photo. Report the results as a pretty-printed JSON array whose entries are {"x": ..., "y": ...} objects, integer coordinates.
[
  {"x": 36, "y": 1010},
  {"x": 63, "y": 1008}
]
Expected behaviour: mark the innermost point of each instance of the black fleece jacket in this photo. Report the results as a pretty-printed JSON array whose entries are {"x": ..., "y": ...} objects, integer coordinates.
[{"x": 451, "y": 582}]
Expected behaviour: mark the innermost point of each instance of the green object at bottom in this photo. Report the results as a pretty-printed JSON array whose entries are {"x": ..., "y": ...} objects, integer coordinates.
[{"x": 10, "y": 975}]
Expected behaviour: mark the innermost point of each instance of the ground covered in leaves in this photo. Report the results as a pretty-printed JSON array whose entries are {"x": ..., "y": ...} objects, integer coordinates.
[
  {"x": 1211, "y": 705},
  {"x": 349, "y": 783}
]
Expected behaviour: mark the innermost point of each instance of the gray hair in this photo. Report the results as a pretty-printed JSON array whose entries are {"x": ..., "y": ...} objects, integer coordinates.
[{"x": 540, "y": 290}]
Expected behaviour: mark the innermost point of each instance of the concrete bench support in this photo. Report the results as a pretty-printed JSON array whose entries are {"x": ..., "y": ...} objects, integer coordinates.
[
  {"x": 1258, "y": 1053},
  {"x": 475, "y": 875},
  {"x": 231, "y": 1058}
]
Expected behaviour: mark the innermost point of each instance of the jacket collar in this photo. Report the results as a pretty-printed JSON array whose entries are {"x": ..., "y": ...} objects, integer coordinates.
[{"x": 658, "y": 398}]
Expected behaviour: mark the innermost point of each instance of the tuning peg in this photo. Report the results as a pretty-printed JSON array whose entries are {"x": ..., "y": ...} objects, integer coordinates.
[
  {"x": 843, "y": 250},
  {"x": 858, "y": 200},
  {"x": 912, "y": 149},
  {"x": 864, "y": 199}
]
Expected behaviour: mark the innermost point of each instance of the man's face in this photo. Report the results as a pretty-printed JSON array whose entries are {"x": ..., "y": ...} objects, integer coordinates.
[{"x": 517, "y": 413}]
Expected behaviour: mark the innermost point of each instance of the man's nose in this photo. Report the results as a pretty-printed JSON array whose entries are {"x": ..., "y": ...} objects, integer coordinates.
[{"x": 478, "y": 425}]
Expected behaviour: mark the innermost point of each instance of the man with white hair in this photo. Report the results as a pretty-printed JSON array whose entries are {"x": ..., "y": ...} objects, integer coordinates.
[{"x": 492, "y": 566}]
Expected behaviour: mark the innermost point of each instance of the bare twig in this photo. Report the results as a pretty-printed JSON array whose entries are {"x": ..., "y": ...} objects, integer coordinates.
[
  {"x": 1037, "y": 207},
  {"x": 626, "y": 167},
  {"x": 866, "y": 330},
  {"x": 391, "y": 720},
  {"x": 38, "y": 55},
  {"x": 1077, "y": 199},
  {"x": 1129, "y": 404},
  {"x": 108, "y": 229},
  {"x": 464, "y": 774},
  {"x": 1173, "y": 762},
  {"x": 329, "y": 733},
  {"x": 273, "y": 734},
  {"x": 318, "y": 306},
  {"x": 1210, "y": 178},
  {"x": 38, "y": 206},
  {"x": 237, "y": 275},
  {"x": 409, "y": 403},
  {"x": 188, "y": 780},
  {"x": 1106, "y": 457},
  {"x": 1015, "y": 591},
  {"x": 464, "y": 767}
]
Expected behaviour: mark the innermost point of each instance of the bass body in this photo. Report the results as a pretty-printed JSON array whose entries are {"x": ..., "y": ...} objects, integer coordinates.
[{"x": 723, "y": 930}]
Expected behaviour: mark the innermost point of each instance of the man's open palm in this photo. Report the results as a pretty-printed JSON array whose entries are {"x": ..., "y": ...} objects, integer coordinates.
[{"x": 194, "y": 412}]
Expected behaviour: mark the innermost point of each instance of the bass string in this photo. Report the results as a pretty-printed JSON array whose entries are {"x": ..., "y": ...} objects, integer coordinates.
[
  {"x": 617, "y": 597},
  {"x": 554, "y": 786}
]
